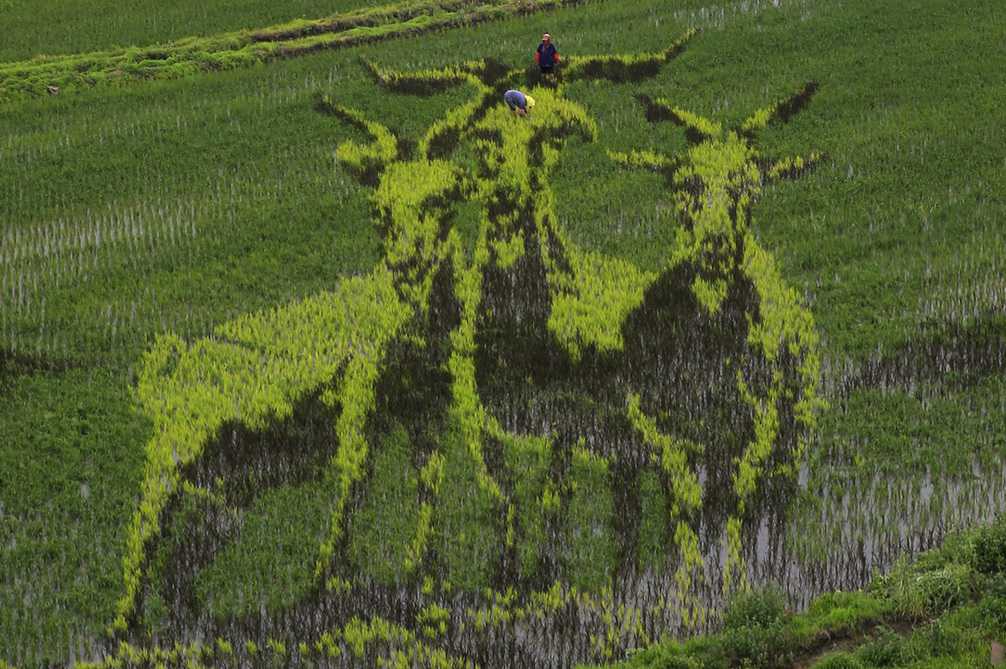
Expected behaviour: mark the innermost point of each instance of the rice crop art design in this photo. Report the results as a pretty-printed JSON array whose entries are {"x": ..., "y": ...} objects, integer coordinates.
[{"x": 533, "y": 454}]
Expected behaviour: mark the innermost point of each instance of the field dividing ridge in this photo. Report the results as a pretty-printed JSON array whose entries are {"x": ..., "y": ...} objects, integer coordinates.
[{"x": 52, "y": 74}]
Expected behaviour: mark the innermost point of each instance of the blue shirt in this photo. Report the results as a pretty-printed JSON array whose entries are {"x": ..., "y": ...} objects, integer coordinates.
[{"x": 515, "y": 99}]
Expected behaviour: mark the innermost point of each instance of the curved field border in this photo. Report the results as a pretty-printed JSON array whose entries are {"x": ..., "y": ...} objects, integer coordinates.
[{"x": 47, "y": 75}]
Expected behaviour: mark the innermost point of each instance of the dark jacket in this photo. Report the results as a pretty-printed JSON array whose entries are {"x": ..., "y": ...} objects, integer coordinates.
[{"x": 546, "y": 56}]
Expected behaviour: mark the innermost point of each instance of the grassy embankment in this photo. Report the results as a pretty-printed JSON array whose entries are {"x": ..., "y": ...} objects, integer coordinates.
[{"x": 944, "y": 609}]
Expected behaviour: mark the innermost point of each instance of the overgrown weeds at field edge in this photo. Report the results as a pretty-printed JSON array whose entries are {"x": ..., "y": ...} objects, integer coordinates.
[
  {"x": 945, "y": 607},
  {"x": 47, "y": 74}
]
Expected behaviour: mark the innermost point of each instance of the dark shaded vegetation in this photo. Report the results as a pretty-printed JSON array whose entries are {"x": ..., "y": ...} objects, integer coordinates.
[{"x": 15, "y": 364}]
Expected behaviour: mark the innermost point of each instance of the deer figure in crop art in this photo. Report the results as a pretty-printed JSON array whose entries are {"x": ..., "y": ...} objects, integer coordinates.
[
  {"x": 254, "y": 370},
  {"x": 531, "y": 386},
  {"x": 715, "y": 184}
]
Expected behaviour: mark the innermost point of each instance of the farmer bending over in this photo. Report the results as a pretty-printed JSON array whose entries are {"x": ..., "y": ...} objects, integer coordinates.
[
  {"x": 519, "y": 103},
  {"x": 546, "y": 56}
]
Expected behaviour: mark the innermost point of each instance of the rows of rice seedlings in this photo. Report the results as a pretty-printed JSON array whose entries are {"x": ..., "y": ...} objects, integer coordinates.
[
  {"x": 363, "y": 641},
  {"x": 939, "y": 361},
  {"x": 47, "y": 256},
  {"x": 188, "y": 413},
  {"x": 558, "y": 413},
  {"x": 407, "y": 201},
  {"x": 564, "y": 625},
  {"x": 57, "y": 530},
  {"x": 64, "y": 255},
  {"x": 911, "y": 449},
  {"x": 155, "y": 298},
  {"x": 863, "y": 524},
  {"x": 59, "y": 545},
  {"x": 71, "y": 249},
  {"x": 970, "y": 289},
  {"x": 957, "y": 313},
  {"x": 102, "y": 24},
  {"x": 940, "y": 609},
  {"x": 35, "y": 153},
  {"x": 721, "y": 15},
  {"x": 14, "y": 181},
  {"x": 34, "y": 143},
  {"x": 154, "y": 221},
  {"x": 47, "y": 643}
]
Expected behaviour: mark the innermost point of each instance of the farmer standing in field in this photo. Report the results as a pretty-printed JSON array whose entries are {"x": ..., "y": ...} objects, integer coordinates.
[
  {"x": 546, "y": 56},
  {"x": 518, "y": 102}
]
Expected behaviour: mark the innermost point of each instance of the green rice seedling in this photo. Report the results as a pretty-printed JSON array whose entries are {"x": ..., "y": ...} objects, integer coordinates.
[
  {"x": 529, "y": 461},
  {"x": 381, "y": 533},
  {"x": 653, "y": 534},
  {"x": 590, "y": 545}
]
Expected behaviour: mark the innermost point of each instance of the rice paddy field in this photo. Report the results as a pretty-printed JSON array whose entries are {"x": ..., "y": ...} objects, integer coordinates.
[{"x": 312, "y": 354}]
